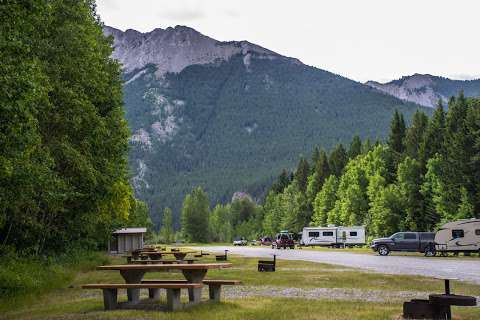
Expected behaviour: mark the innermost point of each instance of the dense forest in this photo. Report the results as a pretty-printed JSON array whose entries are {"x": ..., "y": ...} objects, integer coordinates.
[
  {"x": 64, "y": 180},
  {"x": 226, "y": 127},
  {"x": 423, "y": 175}
]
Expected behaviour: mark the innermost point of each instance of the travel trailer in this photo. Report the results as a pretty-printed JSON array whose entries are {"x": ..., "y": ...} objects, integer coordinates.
[
  {"x": 459, "y": 236},
  {"x": 333, "y": 236}
]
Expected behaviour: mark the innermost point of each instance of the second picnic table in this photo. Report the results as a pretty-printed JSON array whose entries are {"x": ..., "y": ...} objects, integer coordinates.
[
  {"x": 194, "y": 273},
  {"x": 179, "y": 255}
]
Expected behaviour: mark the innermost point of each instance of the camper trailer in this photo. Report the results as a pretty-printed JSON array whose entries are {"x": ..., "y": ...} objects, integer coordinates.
[
  {"x": 459, "y": 236},
  {"x": 333, "y": 236}
]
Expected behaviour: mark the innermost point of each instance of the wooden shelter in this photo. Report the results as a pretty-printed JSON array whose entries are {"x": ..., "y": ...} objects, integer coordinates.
[{"x": 126, "y": 240}]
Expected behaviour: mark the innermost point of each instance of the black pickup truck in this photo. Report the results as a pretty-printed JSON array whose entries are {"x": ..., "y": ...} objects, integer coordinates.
[{"x": 406, "y": 241}]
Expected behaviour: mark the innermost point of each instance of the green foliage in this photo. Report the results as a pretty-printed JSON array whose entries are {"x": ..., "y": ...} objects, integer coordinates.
[
  {"x": 317, "y": 179},
  {"x": 426, "y": 181},
  {"x": 195, "y": 214},
  {"x": 355, "y": 147},
  {"x": 434, "y": 136},
  {"x": 166, "y": 231},
  {"x": 415, "y": 134},
  {"x": 301, "y": 174},
  {"x": 220, "y": 224},
  {"x": 416, "y": 181},
  {"x": 325, "y": 201},
  {"x": 236, "y": 128},
  {"x": 63, "y": 167},
  {"x": 338, "y": 160},
  {"x": 409, "y": 184},
  {"x": 22, "y": 276}
]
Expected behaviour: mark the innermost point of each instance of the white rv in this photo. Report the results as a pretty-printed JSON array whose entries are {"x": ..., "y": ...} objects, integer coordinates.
[
  {"x": 333, "y": 236},
  {"x": 459, "y": 236}
]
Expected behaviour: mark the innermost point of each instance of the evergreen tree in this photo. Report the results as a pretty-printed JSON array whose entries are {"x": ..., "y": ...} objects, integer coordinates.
[
  {"x": 430, "y": 190},
  {"x": 366, "y": 146},
  {"x": 167, "y": 231},
  {"x": 415, "y": 134},
  {"x": 241, "y": 210},
  {"x": 301, "y": 174},
  {"x": 355, "y": 147},
  {"x": 397, "y": 133},
  {"x": 195, "y": 215},
  {"x": 433, "y": 139},
  {"x": 338, "y": 160},
  {"x": 409, "y": 183},
  {"x": 473, "y": 126},
  {"x": 316, "y": 180},
  {"x": 315, "y": 158},
  {"x": 282, "y": 182}
]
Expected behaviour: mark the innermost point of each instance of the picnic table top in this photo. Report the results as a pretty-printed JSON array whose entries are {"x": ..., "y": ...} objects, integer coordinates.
[{"x": 153, "y": 267}]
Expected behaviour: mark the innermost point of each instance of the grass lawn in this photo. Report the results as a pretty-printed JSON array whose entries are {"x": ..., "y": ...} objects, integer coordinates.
[{"x": 272, "y": 298}]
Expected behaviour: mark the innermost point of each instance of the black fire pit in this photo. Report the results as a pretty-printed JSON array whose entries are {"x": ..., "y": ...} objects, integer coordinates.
[{"x": 438, "y": 306}]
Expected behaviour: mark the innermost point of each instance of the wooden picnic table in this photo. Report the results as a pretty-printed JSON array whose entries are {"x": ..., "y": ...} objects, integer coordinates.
[
  {"x": 194, "y": 273},
  {"x": 156, "y": 255}
]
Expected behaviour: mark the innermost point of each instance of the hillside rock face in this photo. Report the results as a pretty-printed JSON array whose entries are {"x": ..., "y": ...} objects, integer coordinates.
[
  {"x": 229, "y": 116},
  {"x": 425, "y": 89},
  {"x": 173, "y": 49}
]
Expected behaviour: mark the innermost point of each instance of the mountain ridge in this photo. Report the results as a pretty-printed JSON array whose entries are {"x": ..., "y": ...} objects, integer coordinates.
[
  {"x": 180, "y": 47},
  {"x": 426, "y": 89}
]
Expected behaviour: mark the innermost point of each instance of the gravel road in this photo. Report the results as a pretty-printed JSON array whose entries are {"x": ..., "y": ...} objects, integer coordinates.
[{"x": 463, "y": 269}]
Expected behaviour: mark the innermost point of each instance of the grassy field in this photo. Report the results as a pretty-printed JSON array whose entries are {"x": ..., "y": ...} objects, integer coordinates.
[{"x": 347, "y": 294}]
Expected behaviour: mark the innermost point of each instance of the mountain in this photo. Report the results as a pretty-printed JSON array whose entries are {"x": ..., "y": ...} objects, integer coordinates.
[
  {"x": 229, "y": 116},
  {"x": 426, "y": 90}
]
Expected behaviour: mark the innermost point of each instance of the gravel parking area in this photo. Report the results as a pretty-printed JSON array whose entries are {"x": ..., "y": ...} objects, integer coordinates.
[{"x": 463, "y": 269}]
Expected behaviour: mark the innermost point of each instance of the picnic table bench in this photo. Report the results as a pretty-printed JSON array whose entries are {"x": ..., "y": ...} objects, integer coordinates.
[
  {"x": 214, "y": 286},
  {"x": 133, "y": 274},
  {"x": 110, "y": 291}
]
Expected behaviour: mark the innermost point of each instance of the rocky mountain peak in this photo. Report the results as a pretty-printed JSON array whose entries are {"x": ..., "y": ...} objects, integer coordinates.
[
  {"x": 173, "y": 49},
  {"x": 417, "y": 88}
]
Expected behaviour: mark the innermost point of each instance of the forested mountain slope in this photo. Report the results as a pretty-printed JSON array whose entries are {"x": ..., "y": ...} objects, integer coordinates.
[
  {"x": 426, "y": 90},
  {"x": 230, "y": 115}
]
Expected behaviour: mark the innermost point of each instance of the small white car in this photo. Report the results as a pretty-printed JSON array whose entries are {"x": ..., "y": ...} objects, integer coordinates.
[{"x": 240, "y": 242}]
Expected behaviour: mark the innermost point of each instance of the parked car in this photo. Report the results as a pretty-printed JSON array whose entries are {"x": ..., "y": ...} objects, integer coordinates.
[
  {"x": 240, "y": 242},
  {"x": 253, "y": 242},
  {"x": 266, "y": 241},
  {"x": 283, "y": 240},
  {"x": 406, "y": 241}
]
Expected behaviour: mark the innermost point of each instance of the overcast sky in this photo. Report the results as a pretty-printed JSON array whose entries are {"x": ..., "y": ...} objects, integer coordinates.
[{"x": 360, "y": 39}]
